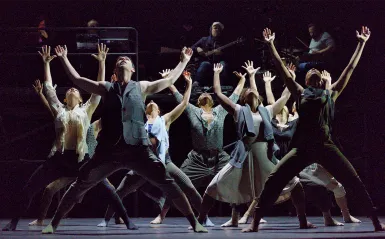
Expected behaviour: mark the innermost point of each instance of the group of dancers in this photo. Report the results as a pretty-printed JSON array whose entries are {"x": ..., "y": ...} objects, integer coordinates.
[{"x": 278, "y": 155}]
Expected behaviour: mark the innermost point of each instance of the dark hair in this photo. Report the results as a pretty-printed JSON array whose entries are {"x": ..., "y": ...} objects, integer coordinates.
[
  {"x": 242, "y": 97},
  {"x": 312, "y": 25}
]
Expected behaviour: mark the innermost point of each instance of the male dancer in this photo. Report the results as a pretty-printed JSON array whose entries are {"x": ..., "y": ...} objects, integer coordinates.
[{"x": 123, "y": 135}]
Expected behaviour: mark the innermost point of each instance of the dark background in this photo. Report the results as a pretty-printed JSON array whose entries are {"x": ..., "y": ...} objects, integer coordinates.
[{"x": 26, "y": 131}]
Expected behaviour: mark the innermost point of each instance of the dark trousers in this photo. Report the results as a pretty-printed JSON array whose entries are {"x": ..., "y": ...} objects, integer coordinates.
[
  {"x": 317, "y": 195},
  {"x": 59, "y": 165},
  {"x": 109, "y": 160},
  {"x": 205, "y": 73},
  {"x": 324, "y": 153},
  {"x": 132, "y": 183}
]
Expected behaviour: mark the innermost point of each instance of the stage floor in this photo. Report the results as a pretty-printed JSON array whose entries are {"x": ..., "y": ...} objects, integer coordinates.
[{"x": 277, "y": 227}]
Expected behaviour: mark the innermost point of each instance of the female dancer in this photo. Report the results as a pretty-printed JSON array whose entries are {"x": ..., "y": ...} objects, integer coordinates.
[
  {"x": 69, "y": 150},
  {"x": 157, "y": 128},
  {"x": 63, "y": 182},
  {"x": 312, "y": 140},
  {"x": 244, "y": 176},
  {"x": 284, "y": 126}
]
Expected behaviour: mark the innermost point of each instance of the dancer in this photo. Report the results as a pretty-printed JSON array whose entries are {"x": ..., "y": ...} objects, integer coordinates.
[
  {"x": 312, "y": 177},
  {"x": 59, "y": 184},
  {"x": 312, "y": 140},
  {"x": 207, "y": 157},
  {"x": 70, "y": 149},
  {"x": 123, "y": 135},
  {"x": 157, "y": 127},
  {"x": 243, "y": 177}
]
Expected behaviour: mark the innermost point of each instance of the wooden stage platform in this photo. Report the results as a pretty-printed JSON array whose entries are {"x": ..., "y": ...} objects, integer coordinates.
[{"x": 176, "y": 228}]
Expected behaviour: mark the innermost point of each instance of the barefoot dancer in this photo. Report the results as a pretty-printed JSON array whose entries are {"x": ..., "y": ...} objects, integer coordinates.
[
  {"x": 312, "y": 177},
  {"x": 207, "y": 156},
  {"x": 123, "y": 136},
  {"x": 70, "y": 149},
  {"x": 244, "y": 176},
  {"x": 312, "y": 141},
  {"x": 157, "y": 127}
]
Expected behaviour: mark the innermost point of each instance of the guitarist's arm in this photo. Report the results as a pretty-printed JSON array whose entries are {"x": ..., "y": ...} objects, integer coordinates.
[{"x": 197, "y": 47}]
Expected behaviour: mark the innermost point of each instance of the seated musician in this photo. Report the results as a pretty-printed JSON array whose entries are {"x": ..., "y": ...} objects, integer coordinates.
[
  {"x": 204, "y": 74},
  {"x": 321, "y": 48}
]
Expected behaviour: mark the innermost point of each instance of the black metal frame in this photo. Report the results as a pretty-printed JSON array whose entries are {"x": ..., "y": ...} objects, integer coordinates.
[{"x": 57, "y": 29}]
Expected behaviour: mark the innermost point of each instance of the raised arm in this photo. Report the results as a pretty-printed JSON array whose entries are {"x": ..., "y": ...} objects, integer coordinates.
[
  {"x": 94, "y": 87},
  {"x": 294, "y": 114},
  {"x": 53, "y": 101},
  {"x": 39, "y": 91},
  {"x": 249, "y": 67},
  {"x": 94, "y": 100},
  {"x": 268, "y": 78},
  {"x": 281, "y": 102},
  {"x": 178, "y": 110},
  {"x": 241, "y": 83},
  {"x": 295, "y": 88},
  {"x": 153, "y": 87},
  {"x": 190, "y": 108},
  {"x": 325, "y": 76},
  {"x": 341, "y": 83},
  {"x": 225, "y": 102}
]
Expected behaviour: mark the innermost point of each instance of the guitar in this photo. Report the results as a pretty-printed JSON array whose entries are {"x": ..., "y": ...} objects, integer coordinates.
[{"x": 210, "y": 54}]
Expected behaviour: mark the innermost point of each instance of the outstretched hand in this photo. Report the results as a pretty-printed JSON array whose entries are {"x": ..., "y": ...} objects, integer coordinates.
[
  {"x": 46, "y": 54},
  {"x": 365, "y": 34},
  {"x": 249, "y": 67},
  {"x": 187, "y": 76},
  {"x": 218, "y": 67},
  {"x": 267, "y": 77},
  {"x": 61, "y": 51},
  {"x": 186, "y": 54},
  {"x": 165, "y": 73},
  {"x": 102, "y": 52},
  {"x": 239, "y": 75},
  {"x": 326, "y": 76},
  {"x": 268, "y": 36},
  {"x": 291, "y": 68},
  {"x": 38, "y": 86}
]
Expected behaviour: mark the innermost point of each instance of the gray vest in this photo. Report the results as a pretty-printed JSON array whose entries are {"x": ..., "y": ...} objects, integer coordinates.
[{"x": 124, "y": 115}]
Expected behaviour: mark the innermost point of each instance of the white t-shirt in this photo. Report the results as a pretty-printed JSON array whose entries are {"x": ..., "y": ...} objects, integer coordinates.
[
  {"x": 321, "y": 43},
  {"x": 257, "y": 119}
]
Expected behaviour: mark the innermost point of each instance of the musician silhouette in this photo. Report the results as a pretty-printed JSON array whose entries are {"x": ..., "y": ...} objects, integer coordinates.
[{"x": 207, "y": 55}]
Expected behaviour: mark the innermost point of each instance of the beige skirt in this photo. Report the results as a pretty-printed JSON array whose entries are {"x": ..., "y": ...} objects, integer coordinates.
[{"x": 242, "y": 185}]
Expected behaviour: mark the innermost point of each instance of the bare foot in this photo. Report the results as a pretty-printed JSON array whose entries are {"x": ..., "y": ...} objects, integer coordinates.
[
  {"x": 48, "y": 230},
  {"x": 119, "y": 221},
  {"x": 330, "y": 222},
  {"x": 131, "y": 226},
  {"x": 37, "y": 222},
  {"x": 351, "y": 219},
  {"x": 11, "y": 226},
  {"x": 230, "y": 223},
  {"x": 262, "y": 221},
  {"x": 243, "y": 219},
  {"x": 199, "y": 228},
  {"x": 157, "y": 220},
  {"x": 380, "y": 227},
  {"x": 253, "y": 227},
  {"x": 308, "y": 225},
  {"x": 250, "y": 228},
  {"x": 208, "y": 223},
  {"x": 104, "y": 223}
]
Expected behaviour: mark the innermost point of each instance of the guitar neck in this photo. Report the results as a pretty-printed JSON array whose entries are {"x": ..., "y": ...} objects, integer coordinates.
[
  {"x": 222, "y": 47},
  {"x": 227, "y": 45}
]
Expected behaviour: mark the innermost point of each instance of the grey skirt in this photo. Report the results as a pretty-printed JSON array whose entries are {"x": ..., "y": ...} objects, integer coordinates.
[{"x": 242, "y": 185}]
